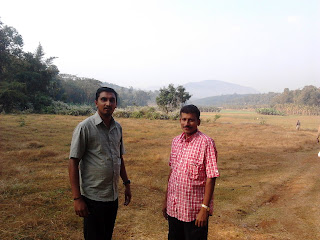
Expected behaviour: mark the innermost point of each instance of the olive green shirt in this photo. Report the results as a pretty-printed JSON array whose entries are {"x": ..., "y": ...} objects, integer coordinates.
[{"x": 100, "y": 150}]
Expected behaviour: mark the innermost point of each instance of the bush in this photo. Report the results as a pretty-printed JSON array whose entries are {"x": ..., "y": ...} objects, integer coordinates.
[
  {"x": 269, "y": 111},
  {"x": 62, "y": 108},
  {"x": 144, "y": 112},
  {"x": 137, "y": 114},
  {"x": 216, "y": 117}
]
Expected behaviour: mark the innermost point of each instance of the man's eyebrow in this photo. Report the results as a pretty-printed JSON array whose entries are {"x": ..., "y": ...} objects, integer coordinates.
[{"x": 108, "y": 98}]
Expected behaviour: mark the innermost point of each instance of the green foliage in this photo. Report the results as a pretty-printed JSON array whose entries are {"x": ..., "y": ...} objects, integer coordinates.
[
  {"x": 269, "y": 111},
  {"x": 131, "y": 97},
  {"x": 171, "y": 98},
  {"x": 209, "y": 109},
  {"x": 62, "y": 108},
  {"x": 145, "y": 112},
  {"x": 309, "y": 96},
  {"x": 12, "y": 96},
  {"x": 25, "y": 78},
  {"x": 78, "y": 90},
  {"x": 216, "y": 117},
  {"x": 295, "y": 109}
]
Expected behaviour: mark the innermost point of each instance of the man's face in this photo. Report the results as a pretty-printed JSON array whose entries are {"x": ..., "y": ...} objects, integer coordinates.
[
  {"x": 106, "y": 103},
  {"x": 189, "y": 123}
]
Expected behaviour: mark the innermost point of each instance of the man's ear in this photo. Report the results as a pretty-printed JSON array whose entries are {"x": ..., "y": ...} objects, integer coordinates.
[
  {"x": 96, "y": 102},
  {"x": 199, "y": 121}
]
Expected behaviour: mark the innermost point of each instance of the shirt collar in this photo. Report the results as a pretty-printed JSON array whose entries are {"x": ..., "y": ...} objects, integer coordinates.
[
  {"x": 98, "y": 120},
  {"x": 189, "y": 139}
]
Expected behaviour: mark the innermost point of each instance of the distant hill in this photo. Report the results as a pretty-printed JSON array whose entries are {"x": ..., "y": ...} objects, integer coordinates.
[
  {"x": 236, "y": 100},
  {"x": 210, "y": 88}
]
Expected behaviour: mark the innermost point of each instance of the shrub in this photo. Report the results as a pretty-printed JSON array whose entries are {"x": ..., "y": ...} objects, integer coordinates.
[
  {"x": 62, "y": 108},
  {"x": 269, "y": 111},
  {"x": 144, "y": 112},
  {"x": 137, "y": 114},
  {"x": 216, "y": 117}
]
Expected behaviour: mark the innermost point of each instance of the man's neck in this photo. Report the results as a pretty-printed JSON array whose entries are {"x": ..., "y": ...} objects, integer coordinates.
[
  {"x": 106, "y": 120},
  {"x": 186, "y": 136}
]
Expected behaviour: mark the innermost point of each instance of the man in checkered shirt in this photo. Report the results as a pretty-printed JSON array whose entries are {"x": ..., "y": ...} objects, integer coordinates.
[{"x": 189, "y": 196}]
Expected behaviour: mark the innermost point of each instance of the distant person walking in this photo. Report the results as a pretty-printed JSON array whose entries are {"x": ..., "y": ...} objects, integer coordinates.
[
  {"x": 318, "y": 136},
  {"x": 189, "y": 196},
  {"x": 95, "y": 165},
  {"x": 298, "y": 125}
]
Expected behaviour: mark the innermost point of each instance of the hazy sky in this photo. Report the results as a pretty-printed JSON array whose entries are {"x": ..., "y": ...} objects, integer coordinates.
[{"x": 265, "y": 44}]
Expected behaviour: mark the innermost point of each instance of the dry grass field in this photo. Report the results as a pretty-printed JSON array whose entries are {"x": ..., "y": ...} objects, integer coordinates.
[{"x": 269, "y": 186}]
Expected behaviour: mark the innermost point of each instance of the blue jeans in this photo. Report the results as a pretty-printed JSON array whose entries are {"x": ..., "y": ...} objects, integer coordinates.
[
  {"x": 179, "y": 230},
  {"x": 100, "y": 222}
]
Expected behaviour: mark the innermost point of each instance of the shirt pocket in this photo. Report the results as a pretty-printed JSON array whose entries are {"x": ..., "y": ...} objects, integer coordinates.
[
  {"x": 193, "y": 170},
  {"x": 94, "y": 143}
]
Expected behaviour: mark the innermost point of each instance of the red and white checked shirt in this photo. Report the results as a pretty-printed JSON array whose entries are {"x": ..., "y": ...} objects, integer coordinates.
[{"x": 192, "y": 161}]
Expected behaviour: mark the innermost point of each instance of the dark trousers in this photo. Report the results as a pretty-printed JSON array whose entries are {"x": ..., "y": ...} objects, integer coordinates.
[
  {"x": 100, "y": 222},
  {"x": 179, "y": 230}
]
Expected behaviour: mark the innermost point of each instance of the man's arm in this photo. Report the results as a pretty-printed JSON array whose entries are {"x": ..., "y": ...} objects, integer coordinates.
[
  {"x": 164, "y": 205},
  {"x": 80, "y": 206},
  {"x": 124, "y": 177},
  {"x": 202, "y": 217}
]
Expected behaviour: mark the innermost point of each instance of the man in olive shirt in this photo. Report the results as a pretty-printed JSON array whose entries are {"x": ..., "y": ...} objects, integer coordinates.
[{"x": 95, "y": 164}]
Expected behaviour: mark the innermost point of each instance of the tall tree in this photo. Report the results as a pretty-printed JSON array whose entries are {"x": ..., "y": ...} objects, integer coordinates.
[
  {"x": 171, "y": 98},
  {"x": 27, "y": 80}
]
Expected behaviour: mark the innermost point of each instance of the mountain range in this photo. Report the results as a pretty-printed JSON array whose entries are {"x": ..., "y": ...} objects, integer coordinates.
[{"x": 210, "y": 88}]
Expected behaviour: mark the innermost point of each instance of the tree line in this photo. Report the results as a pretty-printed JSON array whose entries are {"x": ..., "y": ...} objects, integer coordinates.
[
  {"x": 308, "y": 96},
  {"x": 79, "y": 90}
]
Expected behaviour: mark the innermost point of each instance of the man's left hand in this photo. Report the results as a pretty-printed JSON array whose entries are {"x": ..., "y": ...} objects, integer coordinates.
[
  {"x": 127, "y": 195},
  {"x": 202, "y": 218}
]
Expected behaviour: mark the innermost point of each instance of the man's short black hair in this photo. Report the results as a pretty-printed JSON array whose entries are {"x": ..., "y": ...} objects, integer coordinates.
[
  {"x": 190, "y": 109},
  {"x": 106, "y": 89}
]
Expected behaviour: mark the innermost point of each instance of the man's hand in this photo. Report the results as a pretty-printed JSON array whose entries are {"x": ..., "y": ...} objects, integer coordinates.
[
  {"x": 127, "y": 195},
  {"x": 202, "y": 218},
  {"x": 81, "y": 208}
]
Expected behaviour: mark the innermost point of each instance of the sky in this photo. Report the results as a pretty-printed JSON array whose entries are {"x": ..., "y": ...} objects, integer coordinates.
[{"x": 268, "y": 45}]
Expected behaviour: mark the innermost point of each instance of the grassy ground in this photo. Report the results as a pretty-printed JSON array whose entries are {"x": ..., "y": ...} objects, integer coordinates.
[{"x": 268, "y": 189}]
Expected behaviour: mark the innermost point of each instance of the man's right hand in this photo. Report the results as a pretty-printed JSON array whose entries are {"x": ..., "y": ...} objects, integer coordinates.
[{"x": 81, "y": 208}]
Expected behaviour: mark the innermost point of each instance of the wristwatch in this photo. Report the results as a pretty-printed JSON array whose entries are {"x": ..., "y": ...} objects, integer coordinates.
[
  {"x": 206, "y": 207},
  {"x": 126, "y": 182}
]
